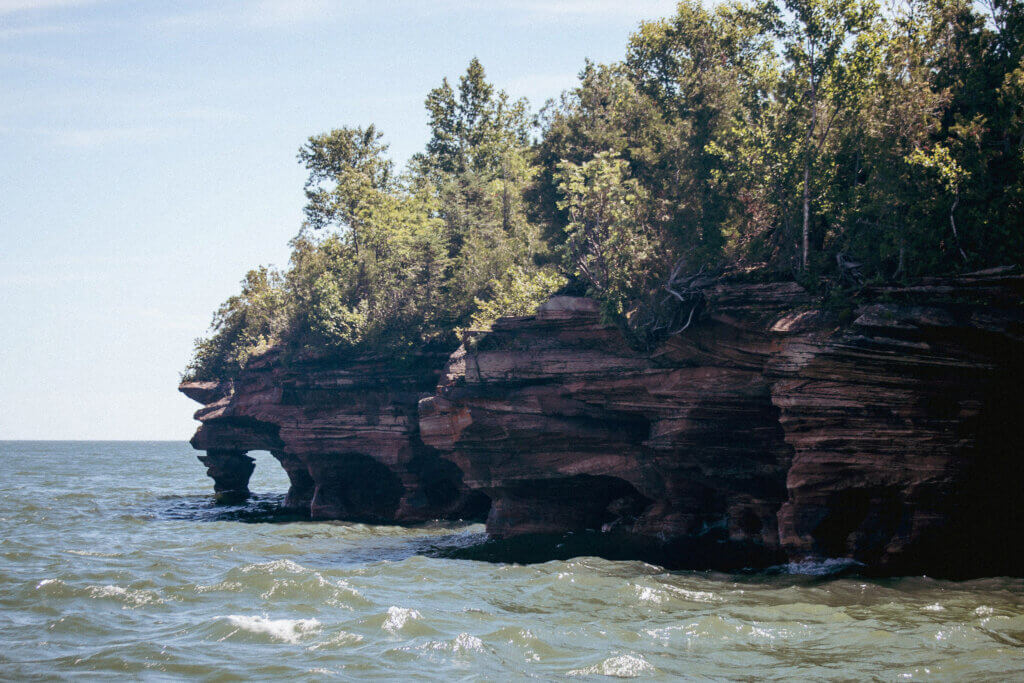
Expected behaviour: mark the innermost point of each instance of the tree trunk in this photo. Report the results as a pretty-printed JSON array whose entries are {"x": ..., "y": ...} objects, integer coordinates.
[
  {"x": 899, "y": 267},
  {"x": 807, "y": 212},
  {"x": 807, "y": 167},
  {"x": 506, "y": 200}
]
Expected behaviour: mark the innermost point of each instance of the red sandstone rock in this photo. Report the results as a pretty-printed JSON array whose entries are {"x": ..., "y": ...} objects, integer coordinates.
[
  {"x": 765, "y": 431},
  {"x": 345, "y": 431},
  {"x": 567, "y": 428},
  {"x": 903, "y": 429}
]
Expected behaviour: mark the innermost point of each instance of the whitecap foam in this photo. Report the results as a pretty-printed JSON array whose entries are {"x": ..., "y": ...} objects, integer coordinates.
[
  {"x": 340, "y": 639},
  {"x": 398, "y": 617},
  {"x": 279, "y": 565},
  {"x": 663, "y": 634},
  {"x": 107, "y": 591},
  {"x": 91, "y": 553},
  {"x": 222, "y": 586},
  {"x": 461, "y": 644},
  {"x": 285, "y": 630},
  {"x": 467, "y": 643},
  {"x": 695, "y": 596},
  {"x": 648, "y": 594},
  {"x": 623, "y": 666},
  {"x": 343, "y": 588},
  {"x": 134, "y": 598}
]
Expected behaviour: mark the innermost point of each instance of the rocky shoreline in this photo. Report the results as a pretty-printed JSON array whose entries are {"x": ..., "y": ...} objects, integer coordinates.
[{"x": 773, "y": 429}]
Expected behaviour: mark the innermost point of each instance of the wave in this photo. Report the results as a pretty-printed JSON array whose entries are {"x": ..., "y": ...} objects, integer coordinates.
[
  {"x": 622, "y": 666},
  {"x": 398, "y": 617},
  {"x": 283, "y": 630},
  {"x": 284, "y": 580},
  {"x": 463, "y": 643},
  {"x": 129, "y": 597}
]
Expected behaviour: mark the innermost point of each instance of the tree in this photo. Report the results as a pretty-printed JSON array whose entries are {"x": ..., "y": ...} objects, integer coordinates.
[
  {"x": 479, "y": 160},
  {"x": 816, "y": 136},
  {"x": 471, "y": 132},
  {"x": 822, "y": 46},
  {"x": 386, "y": 263},
  {"x": 244, "y": 326},
  {"x": 610, "y": 245},
  {"x": 345, "y": 167}
]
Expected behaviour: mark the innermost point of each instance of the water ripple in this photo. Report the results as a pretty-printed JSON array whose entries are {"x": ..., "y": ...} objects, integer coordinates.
[{"x": 111, "y": 575}]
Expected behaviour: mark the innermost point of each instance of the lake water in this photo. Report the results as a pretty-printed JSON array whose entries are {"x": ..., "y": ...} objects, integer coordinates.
[{"x": 115, "y": 563}]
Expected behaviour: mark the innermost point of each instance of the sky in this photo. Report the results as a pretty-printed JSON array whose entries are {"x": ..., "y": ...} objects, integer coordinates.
[{"x": 148, "y": 160}]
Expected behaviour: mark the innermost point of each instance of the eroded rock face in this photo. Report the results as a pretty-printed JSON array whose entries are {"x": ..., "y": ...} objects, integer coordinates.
[
  {"x": 345, "y": 431},
  {"x": 766, "y": 431},
  {"x": 770, "y": 430},
  {"x": 566, "y": 428},
  {"x": 903, "y": 428}
]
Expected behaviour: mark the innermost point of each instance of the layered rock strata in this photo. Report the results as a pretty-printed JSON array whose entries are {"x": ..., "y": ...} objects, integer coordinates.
[
  {"x": 344, "y": 429},
  {"x": 770, "y": 429}
]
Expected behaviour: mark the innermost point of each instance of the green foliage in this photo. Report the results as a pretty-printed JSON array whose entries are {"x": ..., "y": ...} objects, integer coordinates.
[
  {"x": 475, "y": 129},
  {"x": 833, "y": 141},
  {"x": 245, "y": 326},
  {"x": 348, "y": 172},
  {"x": 892, "y": 140},
  {"x": 609, "y": 242},
  {"x": 518, "y": 293},
  {"x": 480, "y": 164},
  {"x": 375, "y": 286},
  {"x": 388, "y": 262}
]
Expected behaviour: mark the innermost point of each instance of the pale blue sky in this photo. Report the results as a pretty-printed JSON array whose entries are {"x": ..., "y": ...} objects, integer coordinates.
[{"x": 147, "y": 160}]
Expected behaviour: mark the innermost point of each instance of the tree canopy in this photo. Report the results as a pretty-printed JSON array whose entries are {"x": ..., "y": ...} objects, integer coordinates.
[{"x": 834, "y": 141}]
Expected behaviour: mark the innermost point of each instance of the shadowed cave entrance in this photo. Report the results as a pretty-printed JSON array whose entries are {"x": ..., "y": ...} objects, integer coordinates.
[
  {"x": 575, "y": 503},
  {"x": 349, "y": 486},
  {"x": 353, "y": 486}
]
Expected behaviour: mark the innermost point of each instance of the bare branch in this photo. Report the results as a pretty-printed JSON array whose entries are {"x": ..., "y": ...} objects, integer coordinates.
[{"x": 688, "y": 321}]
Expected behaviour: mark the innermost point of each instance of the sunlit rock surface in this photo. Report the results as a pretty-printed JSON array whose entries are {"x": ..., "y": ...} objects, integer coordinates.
[{"x": 770, "y": 430}]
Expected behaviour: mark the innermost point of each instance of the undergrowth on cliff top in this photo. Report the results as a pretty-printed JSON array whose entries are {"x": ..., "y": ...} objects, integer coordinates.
[{"x": 832, "y": 141}]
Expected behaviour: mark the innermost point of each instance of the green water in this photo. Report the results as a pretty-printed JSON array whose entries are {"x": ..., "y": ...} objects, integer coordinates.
[{"x": 114, "y": 562}]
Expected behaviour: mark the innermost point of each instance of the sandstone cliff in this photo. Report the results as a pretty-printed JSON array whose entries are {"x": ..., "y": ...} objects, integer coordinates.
[
  {"x": 767, "y": 431},
  {"x": 771, "y": 430},
  {"x": 344, "y": 429}
]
